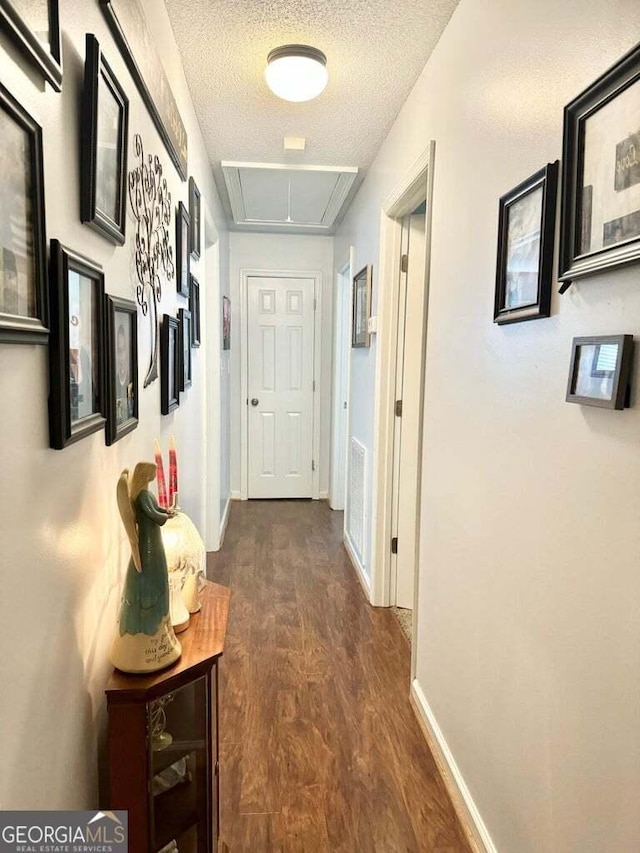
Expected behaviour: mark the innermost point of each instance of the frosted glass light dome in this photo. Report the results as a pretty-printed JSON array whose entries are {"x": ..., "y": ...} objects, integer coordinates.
[{"x": 296, "y": 72}]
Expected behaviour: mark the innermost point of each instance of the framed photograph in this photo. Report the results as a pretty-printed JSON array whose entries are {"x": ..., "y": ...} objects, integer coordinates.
[
  {"x": 526, "y": 228},
  {"x": 105, "y": 124},
  {"x": 169, "y": 365},
  {"x": 76, "y": 354},
  {"x": 122, "y": 367},
  {"x": 183, "y": 223},
  {"x": 194, "y": 213},
  {"x": 35, "y": 26},
  {"x": 600, "y": 225},
  {"x": 194, "y": 307},
  {"x": 24, "y": 307},
  {"x": 600, "y": 370},
  {"x": 184, "y": 322},
  {"x": 140, "y": 52},
  {"x": 226, "y": 323},
  {"x": 362, "y": 283}
]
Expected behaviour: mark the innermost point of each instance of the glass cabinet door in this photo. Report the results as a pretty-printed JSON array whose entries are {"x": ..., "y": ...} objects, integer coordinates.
[
  {"x": 215, "y": 755},
  {"x": 180, "y": 772}
]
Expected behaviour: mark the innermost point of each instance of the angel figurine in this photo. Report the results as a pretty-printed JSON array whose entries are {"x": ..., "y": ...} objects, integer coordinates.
[{"x": 145, "y": 640}]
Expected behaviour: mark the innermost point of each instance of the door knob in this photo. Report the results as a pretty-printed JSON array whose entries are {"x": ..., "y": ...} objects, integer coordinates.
[{"x": 254, "y": 401}]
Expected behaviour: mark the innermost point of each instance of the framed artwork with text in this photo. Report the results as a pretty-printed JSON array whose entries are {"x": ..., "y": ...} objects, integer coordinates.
[{"x": 600, "y": 225}]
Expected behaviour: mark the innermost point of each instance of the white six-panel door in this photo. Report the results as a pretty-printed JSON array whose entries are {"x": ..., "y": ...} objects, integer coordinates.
[{"x": 280, "y": 335}]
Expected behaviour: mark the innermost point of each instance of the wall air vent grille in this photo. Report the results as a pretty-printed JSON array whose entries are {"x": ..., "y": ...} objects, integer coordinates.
[{"x": 356, "y": 498}]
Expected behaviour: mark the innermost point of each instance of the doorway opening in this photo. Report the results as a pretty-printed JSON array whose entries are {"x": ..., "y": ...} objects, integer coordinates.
[
  {"x": 405, "y": 468},
  {"x": 341, "y": 379},
  {"x": 211, "y": 410},
  {"x": 404, "y": 259}
]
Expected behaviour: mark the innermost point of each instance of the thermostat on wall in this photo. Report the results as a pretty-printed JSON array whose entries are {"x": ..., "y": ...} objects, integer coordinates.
[{"x": 372, "y": 325}]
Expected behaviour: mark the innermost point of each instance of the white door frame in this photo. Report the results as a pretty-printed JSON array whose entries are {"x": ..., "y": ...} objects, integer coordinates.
[
  {"x": 406, "y": 196},
  {"x": 341, "y": 269},
  {"x": 396, "y": 445},
  {"x": 245, "y": 275},
  {"x": 210, "y": 350}
]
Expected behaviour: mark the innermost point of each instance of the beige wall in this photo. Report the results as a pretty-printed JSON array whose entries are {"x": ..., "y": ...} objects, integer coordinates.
[
  {"x": 529, "y": 578},
  {"x": 63, "y": 551}
]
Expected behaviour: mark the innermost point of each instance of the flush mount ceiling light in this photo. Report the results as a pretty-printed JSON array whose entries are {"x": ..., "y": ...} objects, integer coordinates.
[{"x": 296, "y": 72}]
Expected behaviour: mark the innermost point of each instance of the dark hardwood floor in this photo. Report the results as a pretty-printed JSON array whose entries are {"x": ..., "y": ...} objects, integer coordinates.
[{"x": 320, "y": 749}]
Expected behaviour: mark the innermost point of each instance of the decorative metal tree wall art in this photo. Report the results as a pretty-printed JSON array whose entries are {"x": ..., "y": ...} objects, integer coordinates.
[{"x": 151, "y": 206}]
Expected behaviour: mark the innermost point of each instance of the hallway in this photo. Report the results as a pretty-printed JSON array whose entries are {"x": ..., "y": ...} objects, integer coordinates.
[{"x": 320, "y": 749}]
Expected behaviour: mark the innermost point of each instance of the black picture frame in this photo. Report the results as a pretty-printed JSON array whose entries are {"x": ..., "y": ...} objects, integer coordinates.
[
  {"x": 183, "y": 223},
  {"x": 361, "y": 307},
  {"x": 186, "y": 365},
  {"x": 194, "y": 307},
  {"x": 526, "y": 229},
  {"x": 24, "y": 304},
  {"x": 600, "y": 214},
  {"x": 103, "y": 174},
  {"x": 129, "y": 27},
  {"x": 47, "y": 59},
  {"x": 194, "y": 213},
  {"x": 122, "y": 367},
  {"x": 600, "y": 370},
  {"x": 77, "y": 347},
  {"x": 169, "y": 364}
]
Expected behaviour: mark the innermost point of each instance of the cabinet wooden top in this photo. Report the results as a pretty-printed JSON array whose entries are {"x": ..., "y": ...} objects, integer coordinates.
[{"x": 202, "y": 643}]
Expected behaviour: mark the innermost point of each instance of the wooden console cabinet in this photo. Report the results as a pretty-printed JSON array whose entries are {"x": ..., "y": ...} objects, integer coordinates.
[{"x": 163, "y": 740}]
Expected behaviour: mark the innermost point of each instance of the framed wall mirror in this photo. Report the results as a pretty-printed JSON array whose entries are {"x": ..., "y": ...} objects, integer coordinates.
[{"x": 362, "y": 283}]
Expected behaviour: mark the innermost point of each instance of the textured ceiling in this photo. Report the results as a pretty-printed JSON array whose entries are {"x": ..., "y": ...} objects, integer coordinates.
[{"x": 375, "y": 51}]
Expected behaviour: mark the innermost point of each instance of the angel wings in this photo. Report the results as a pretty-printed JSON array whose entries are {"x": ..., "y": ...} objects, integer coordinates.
[{"x": 127, "y": 511}]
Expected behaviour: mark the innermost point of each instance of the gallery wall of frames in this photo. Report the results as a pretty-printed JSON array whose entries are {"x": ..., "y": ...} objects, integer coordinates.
[
  {"x": 54, "y": 293},
  {"x": 91, "y": 140},
  {"x": 599, "y": 226}
]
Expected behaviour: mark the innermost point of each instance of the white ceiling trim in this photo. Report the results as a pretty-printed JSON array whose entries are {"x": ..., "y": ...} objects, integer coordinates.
[
  {"x": 411, "y": 187},
  {"x": 288, "y": 167},
  {"x": 234, "y": 188},
  {"x": 340, "y": 193}
]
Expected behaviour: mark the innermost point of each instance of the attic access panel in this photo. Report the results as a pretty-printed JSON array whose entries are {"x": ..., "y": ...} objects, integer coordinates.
[{"x": 295, "y": 197}]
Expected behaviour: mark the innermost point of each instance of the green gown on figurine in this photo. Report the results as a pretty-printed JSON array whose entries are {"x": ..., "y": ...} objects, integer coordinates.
[{"x": 145, "y": 640}]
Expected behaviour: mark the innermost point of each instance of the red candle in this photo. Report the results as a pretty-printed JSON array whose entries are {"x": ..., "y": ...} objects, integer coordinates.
[
  {"x": 162, "y": 489},
  {"x": 173, "y": 472}
]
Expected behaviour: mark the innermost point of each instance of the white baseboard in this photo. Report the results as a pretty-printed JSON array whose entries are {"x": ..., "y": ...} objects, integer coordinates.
[
  {"x": 225, "y": 521},
  {"x": 235, "y": 495},
  {"x": 466, "y": 809},
  {"x": 360, "y": 572},
  {"x": 323, "y": 496}
]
